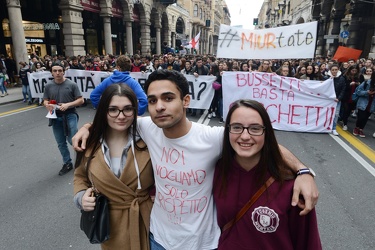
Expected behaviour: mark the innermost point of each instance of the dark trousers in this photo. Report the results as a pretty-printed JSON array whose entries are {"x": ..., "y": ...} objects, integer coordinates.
[
  {"x": 362, "y": 118},
  {"x": 347, "y": 109}
]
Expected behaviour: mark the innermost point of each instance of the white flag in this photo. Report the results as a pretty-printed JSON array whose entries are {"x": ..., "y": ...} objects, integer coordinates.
[{"x": 194, "y": 43}]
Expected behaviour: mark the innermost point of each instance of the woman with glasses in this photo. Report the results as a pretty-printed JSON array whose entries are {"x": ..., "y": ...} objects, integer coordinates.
[
  {"x": 251, "y": 156},
  {"x": 116, "y": 163}
]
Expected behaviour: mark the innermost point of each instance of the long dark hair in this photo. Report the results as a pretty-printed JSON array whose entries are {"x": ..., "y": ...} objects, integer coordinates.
[
  {"x": 99, "y": 128},
  {"x": 271, "y": 159}
]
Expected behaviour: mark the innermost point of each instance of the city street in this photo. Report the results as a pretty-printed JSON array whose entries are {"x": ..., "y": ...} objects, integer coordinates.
[{"x": 37, "y": 210}]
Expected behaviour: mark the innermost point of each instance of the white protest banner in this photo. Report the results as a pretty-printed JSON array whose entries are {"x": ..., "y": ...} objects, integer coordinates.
[
  {"x": 201, "y": 90},
  {"x": 292, "y": 104},
  {"x": 293, "y": 41}
]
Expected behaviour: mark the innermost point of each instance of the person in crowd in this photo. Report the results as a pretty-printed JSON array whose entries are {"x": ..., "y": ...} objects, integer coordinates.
[
  {"x": 365, "y": 104},
  {"x": 166, "y": 48},
  {"x": 340, "y": 86},
  {"x": 310, "y": 74},
  {"x": 244, "y": 67},
  {"x": 106, "y": 67},
  {"x": 250, "y": 157},
  {"x": 368, "y": 65},
  {"x": 344, "y": 66},
  {"x": 235, "y": 68},
  {"x": 199, "y": 69},
  {"x": 265, "y": 67},
  {"x": 171, "y": 64},
  {"x": 11, "y": 67},
  {"x": 117, "y": 164},
  {"x": 75, "y": 64},
  {"x": 168, "y": 132},
  {"x": 25, "y": 68},
  {"x": 149, "y": 66},
  {"x": 137, "y": 65},
  {"x": 366, "y": 75},
  {"x": 67, "y": 96},
  {"x": 348, "y": 106},
  {"x": 214, "y": 107},
  {"x": 188, "y": 70},
  {"x": 39, "y": 67},
  {"x": 90, "y": 65},
  {"x": 3, "y": 88},
  {"x": 48, "y": 65},
  {"x": 324, "y": 71},
  {"x": 300, "y": 72},
  {"x": 121, "y": 75},
  {"x": 182, "y": 63},
  {"x": 283, "y": 71},
  {"x": 157, "y": 64}
]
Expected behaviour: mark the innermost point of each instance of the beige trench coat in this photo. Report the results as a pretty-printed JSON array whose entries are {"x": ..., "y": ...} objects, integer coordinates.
[{"x": 130, "y": 207}]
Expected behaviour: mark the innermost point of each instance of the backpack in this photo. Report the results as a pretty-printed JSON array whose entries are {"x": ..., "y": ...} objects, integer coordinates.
[{"x": 354, "y": 95}]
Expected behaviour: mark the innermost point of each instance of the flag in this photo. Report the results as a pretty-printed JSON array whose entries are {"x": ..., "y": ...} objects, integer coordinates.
[
  {"x": 194, "y": 43},
  {"x": 343, "y": 54}
]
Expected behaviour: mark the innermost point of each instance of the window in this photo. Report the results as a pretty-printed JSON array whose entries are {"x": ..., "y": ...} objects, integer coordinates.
[
  {"x": 196, "y": 10},
  {"x": 200, "y": 13}
]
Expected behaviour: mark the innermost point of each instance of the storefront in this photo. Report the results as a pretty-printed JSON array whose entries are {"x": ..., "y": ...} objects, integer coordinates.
[
  {"x": 42, "y": 27},
  {"x": 92, "y": 26},
  {"x": 117, "y": 28}
]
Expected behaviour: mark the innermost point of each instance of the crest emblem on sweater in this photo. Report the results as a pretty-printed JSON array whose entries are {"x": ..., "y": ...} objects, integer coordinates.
[{"x": 265, "y": 219}]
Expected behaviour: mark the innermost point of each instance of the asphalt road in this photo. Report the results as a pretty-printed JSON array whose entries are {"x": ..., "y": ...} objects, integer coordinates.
[{"x": 37, "y": 210}]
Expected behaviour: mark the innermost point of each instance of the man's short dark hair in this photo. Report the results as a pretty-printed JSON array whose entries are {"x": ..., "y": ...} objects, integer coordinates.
[
  {"x": 73, "y": 58},
  {"x": 172, "y": 75},
  {"x": 58, "y": 63}
]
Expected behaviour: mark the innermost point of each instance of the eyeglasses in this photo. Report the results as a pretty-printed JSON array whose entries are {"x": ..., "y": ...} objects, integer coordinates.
[
  {"x": 115, "y": 112},
  {"x": 252, "y": 130}
]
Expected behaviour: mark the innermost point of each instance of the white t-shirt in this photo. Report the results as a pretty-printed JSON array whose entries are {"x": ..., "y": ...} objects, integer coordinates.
[{"x": 184, "y": 215}]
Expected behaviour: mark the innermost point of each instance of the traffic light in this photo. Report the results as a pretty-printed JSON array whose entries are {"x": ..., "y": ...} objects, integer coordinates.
[{"x": 255, "y": 21}]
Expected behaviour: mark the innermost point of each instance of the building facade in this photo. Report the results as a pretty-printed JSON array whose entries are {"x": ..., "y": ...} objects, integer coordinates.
[
  {"x": 79, "y": 27},
  {"x": 348, "y": 23}
]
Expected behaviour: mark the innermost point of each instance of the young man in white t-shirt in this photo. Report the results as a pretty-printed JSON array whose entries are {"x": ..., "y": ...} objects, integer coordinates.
[{"x": 183, "y": 155}]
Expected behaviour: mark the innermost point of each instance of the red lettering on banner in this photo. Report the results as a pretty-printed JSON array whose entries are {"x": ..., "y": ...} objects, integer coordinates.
[{"x": 294, "y": 114}]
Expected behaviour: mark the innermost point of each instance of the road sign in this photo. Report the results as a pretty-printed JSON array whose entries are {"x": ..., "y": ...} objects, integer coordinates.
[
  {"x": 344, "y": 34},
  {"x": 331, "y": 36}
]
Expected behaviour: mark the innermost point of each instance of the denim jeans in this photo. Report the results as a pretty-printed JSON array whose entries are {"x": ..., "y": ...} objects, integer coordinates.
[
  {"x": 2, "y": 86},
  {"x": 26, "y": 91},
  {"x": 337, "y": 114},
  {"x": 61, "y": 138},
  {"x": 154, "y": 245}
]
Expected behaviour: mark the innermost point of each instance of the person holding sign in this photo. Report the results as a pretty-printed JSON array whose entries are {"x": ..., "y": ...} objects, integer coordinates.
[
  {"x": 183, "y": 155},
  {"x": 251, "y": 159},
  {"x": 340, "y": 86},
  {"x": 117, "y": 163}
]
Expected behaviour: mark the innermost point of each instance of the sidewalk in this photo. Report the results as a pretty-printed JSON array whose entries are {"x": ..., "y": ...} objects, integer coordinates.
[{"x": 15, "y": 95}]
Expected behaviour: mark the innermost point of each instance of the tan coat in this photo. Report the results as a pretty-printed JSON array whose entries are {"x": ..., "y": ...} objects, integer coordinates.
[{"x": 130, "y": 208}]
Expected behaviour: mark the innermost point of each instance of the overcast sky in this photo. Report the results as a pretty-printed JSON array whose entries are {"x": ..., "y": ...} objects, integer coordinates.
[{"x": 242, "y": 12}]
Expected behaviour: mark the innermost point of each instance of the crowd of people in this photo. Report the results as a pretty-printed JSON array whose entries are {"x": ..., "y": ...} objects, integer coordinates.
[{"x": 347, "y": 77}]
